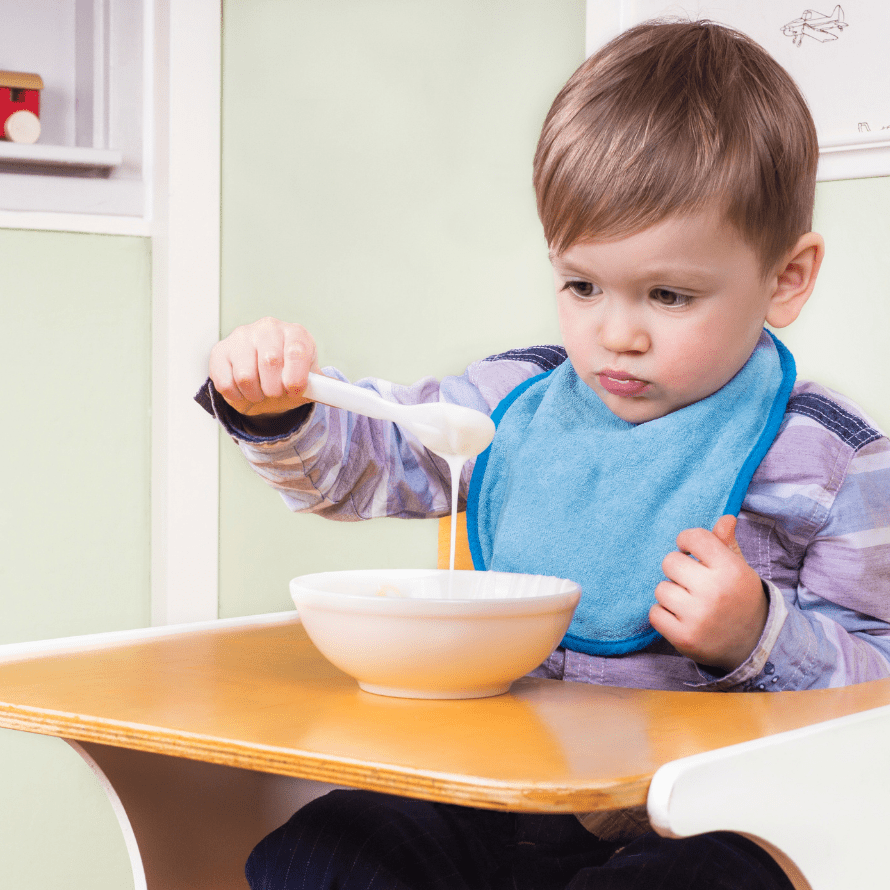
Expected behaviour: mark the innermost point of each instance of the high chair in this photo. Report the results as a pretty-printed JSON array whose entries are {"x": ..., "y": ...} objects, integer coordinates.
[
  {"x": 205, "y": 737},
  {"x": 815, "y": 797}
]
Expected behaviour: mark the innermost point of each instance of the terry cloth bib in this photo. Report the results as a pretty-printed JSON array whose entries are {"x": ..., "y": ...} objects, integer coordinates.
[{"x": 569, "y": 489}]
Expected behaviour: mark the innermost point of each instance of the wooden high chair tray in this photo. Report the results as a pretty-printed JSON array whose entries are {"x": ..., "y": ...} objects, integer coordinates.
[{"x": 258, "y": 695}]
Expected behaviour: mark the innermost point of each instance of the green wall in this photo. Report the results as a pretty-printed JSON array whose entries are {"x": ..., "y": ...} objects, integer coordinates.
[
  {"x": 74, "y": 517},
  {"x": 75, "y": 514},
  {"x": 840, "y": 338},
  {"x": 377, "y": 189}
]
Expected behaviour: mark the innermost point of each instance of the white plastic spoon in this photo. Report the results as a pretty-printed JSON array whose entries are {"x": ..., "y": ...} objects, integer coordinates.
[{"x": 445, "y": 429}]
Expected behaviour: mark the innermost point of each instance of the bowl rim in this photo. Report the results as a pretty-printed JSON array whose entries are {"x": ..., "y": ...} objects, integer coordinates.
[{"x": 303, "y": 594}]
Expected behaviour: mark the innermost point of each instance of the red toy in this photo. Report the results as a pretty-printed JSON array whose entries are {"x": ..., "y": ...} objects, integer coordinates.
[{"x": 20, "y": 106}]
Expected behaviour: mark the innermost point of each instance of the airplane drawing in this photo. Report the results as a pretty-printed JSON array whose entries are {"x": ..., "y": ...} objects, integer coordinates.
[{"x": 817, "y": 25}]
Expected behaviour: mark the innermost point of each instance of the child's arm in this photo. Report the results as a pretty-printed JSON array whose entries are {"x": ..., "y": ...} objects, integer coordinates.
[
  {"x": 330, "y": 462},
  {"x": 818, "y": 533},
  {"x": 716, "y": 610},
  {"x": 321, "y": 460},
  {"x": 837, "y": 627}
]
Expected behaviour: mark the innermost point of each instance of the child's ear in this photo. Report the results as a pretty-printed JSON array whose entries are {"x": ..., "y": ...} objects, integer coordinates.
[{"x": 795, "y": 280}]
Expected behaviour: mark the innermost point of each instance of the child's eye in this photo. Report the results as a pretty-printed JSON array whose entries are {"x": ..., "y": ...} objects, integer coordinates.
[
  {"x": 582, "y": 289},
  {"x": 670, "y": 298}
]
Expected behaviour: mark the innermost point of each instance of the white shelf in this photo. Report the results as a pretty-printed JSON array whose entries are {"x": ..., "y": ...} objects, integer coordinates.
[
  {"x": 94, "y": 157},
  {"x": 65, "y": 156}
]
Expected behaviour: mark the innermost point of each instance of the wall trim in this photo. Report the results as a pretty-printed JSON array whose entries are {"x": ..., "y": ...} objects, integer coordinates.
[{"x": 185, "y": 228}]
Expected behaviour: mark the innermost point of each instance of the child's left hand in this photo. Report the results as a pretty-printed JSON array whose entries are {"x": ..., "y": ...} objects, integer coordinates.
[{"x": 712, "y": 608}]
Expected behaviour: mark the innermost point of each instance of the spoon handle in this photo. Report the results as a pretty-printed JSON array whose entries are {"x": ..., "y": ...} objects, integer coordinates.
[{"x": 351, "y": 398}]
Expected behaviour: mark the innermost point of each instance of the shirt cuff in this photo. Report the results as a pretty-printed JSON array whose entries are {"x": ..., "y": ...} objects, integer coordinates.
[
  {"x": 282, "y": 426},
  {"x": 756, "y": 672}
]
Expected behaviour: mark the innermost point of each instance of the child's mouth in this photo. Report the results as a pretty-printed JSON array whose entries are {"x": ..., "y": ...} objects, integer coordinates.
[{"x": 621, "y": 385}]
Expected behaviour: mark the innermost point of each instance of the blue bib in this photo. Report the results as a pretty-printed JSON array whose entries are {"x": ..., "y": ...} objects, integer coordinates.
[{"x": 569, "y": 489}]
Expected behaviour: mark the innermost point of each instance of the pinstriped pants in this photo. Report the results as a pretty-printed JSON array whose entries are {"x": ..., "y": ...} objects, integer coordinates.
[{"x": 357, "y": 840}]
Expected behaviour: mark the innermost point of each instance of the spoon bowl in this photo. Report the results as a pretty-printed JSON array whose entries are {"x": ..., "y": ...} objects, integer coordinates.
[{"x": 445, "y": 429}]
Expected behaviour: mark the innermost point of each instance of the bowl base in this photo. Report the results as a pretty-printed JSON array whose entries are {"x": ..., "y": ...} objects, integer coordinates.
[{"x": 397, "y": 692}]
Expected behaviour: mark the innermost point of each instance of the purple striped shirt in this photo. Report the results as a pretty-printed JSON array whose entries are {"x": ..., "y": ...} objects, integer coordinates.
[{"x": 815, "y": 523}]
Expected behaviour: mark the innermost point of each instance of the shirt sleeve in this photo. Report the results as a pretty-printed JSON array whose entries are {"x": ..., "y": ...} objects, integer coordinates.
[
  {"x": 832, "y": 628},
  {"x": 348, "y": 467}
]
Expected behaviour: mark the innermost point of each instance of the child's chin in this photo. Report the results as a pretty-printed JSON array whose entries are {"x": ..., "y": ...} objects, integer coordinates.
[{"x": 636, "y": 409}]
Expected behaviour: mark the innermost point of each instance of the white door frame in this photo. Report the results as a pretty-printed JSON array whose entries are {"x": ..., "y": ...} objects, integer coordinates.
[{"x": 185, "y": 230}]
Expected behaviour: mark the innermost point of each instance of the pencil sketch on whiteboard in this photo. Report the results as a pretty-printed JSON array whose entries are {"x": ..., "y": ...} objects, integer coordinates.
[
  {"x": 836, "y": 53},
  {"x": 816, "y": 25}
]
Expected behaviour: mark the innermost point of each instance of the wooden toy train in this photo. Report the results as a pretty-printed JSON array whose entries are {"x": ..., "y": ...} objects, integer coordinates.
[{"x": 20, "y": 106}]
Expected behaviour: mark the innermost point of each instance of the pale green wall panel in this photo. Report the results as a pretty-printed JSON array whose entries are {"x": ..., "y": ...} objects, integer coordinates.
[
  {"x": 74, "y": 517},
  {"x": 57, "y": 828},
  {"x": 841, "y": 338},
  {"x": 377, "y": 188}
]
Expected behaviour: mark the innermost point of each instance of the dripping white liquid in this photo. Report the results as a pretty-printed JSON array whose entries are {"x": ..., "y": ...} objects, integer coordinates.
[{"x": 455, "y": 463}]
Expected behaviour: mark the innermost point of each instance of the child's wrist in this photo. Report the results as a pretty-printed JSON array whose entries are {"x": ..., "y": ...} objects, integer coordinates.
[{"x": 275, "y": 425}]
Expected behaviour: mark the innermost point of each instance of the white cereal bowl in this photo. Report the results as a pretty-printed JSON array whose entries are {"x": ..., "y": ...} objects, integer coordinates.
[{"x": 417, "y": 633}]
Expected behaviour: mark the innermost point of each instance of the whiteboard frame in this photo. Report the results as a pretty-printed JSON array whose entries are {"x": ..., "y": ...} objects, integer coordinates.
[{"x": 859, "y": 158}]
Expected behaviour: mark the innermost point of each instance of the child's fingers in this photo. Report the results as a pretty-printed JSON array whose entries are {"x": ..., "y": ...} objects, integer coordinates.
[
  {"x": 242, "y": 357},
  {"x": 682, "y": 569},
  {"x": 704, "y": 545},
  {"x": 261, "y": 368},
  {"x": 269, "y": 346},
  {"x": 678, "y": 616},
  {"x": 724, "y": 529},
  {"x": 222, "y": 373},
  {"x": 662, "y": 621},
  {"x": 299, "y": 358},
  {"x": 667, "y": 614}
]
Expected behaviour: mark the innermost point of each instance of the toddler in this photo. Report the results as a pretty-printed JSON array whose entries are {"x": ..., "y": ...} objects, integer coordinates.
[{"x": 728, "y": 523}]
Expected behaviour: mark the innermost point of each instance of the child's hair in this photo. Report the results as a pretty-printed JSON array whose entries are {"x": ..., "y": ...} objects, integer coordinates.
[{"x": 667, "y": 117}]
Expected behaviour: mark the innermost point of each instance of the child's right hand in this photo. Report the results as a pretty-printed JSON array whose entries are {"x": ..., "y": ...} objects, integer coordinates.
[{"x": 262, "y": 368}]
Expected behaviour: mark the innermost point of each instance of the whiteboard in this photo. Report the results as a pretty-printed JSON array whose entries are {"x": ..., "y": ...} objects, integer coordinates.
[{"x": 837, "y": 54}]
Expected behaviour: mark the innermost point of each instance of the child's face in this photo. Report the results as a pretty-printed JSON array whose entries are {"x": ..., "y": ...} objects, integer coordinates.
[{"x": 663, "y": 318}]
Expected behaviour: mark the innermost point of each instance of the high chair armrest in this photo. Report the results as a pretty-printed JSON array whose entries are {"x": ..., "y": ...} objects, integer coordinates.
[{"x": 815, "y": 797}]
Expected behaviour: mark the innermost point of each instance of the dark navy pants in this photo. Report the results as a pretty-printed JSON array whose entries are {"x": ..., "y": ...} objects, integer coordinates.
[{"x": 358, "y": 840}]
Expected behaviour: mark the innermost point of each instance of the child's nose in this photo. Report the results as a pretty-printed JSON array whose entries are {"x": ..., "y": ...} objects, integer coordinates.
[{"x": 622, "y": 331}]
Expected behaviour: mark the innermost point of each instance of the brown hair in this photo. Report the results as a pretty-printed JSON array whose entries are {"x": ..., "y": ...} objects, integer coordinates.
[{"x": 667, "y": 117}]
